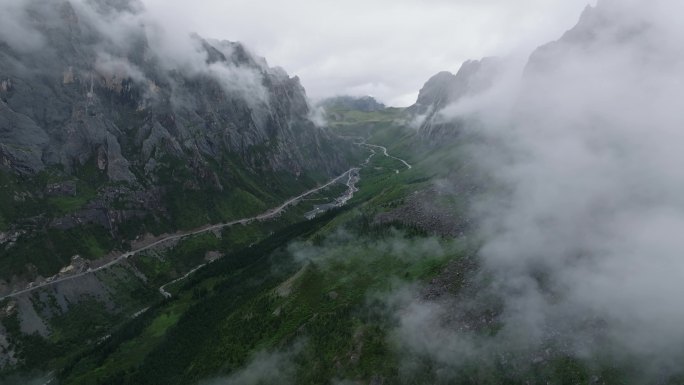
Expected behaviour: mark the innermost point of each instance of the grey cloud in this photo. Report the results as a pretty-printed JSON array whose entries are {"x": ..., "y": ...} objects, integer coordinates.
[
  {"x": 582, "y": 240},
  {"x": 118, "y": 67},
  {"x": 336, "y": 52},
  {"x": 342, "y": 244},
  {"x": 120, "y": 22},
  {"x": 264, "y": 368},
  {"x": 387, "y": 50},
  {"x": 114, "y": 30},
  {"x": 244, "y": 81},
  {"x": 317, "y": 116},
  {"x": 179, "y": 51},
  {"x": 15, "y": 30}
]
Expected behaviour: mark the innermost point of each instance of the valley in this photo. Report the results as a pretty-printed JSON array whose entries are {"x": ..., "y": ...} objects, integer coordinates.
[
  {"x": 376, "y": 169},
  {"x": 271, "y": 213},
  {"x": 213, "y": 279},
  {"x": 176, "y": 210}
]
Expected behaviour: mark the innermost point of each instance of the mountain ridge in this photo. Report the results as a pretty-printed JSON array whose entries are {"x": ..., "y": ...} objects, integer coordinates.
[{"x": 122, "y": 134}]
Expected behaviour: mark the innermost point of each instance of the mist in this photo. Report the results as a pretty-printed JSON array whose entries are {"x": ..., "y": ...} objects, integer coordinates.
[
  {"x": 126, "y": 40},
  {"x": 14, "y": 30},
  {"x": 382, "y": 48},
  {"x": 581, "y": 226},
  {"x": 263, "y": 368},
  {"x": 582, "y": 231}
]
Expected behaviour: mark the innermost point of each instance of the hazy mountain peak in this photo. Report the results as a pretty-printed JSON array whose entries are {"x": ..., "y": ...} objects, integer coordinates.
[
  {"x": 359, "y": 103},
  {"x": 97, "y": 66}
]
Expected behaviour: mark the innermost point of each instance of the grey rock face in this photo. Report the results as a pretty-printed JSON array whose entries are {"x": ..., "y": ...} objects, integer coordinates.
[
  {"x": 436, "y": 93},
  {"x": 608, "y": 23},
  {"x": 445, "y": 88},
  {"x": 103, "y": 125},
  {"x": 21, "y": 141},
  {"x": 86, "y": 97}
]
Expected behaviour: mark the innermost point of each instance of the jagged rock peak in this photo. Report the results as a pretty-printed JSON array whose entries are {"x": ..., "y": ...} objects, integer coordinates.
[
  {"x": 436, "y": 90},
  {"x": 445, "y": 88},
  {"x": 611, "y": 23},
  {"x": 128, "y": 101}
]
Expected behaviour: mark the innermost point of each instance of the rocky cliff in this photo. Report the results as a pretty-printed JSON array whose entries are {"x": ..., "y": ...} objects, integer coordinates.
[
  {"x": 444, "y": 89},
  {"x": 85, "y": 97},
  {"x": 107, "y": 121},
  {"x": 610, "y": 27}
]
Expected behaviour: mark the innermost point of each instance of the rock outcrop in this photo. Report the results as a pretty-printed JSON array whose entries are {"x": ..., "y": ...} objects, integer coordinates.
[
  {"x": 444, "y": 89},
  {"x": 122, "y": 104}
]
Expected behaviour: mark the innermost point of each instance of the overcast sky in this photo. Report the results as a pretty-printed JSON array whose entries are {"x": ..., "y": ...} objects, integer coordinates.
[{"x": 383, "y": 48}]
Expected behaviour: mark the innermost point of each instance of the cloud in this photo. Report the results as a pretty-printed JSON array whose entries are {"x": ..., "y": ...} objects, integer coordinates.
[
  {"x": 264, "y": 368},
  {"x": 129, "y": 41},
  {"x": 107, "y": 64},
  {"x": 243, "y": 81},
  {"x": 119, "y": 23},
  {"x": 383, "y": 48},
  {"x": 317, "y": 116},
  {"x": 582, "y": 241},
  {"x": 15, "y": 28},
  {"x": 340, "y": 245}
]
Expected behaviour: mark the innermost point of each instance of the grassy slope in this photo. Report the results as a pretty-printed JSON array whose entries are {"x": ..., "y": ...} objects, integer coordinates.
[
  {"x": 312, "y": 284},
  {"x": 69, "y": 342},
  {"x": 22, "y": 200},
  {"x": 232, "y": 309}
]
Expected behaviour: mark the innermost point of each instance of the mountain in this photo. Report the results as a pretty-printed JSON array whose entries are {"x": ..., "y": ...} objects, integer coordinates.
[
  {"x": 116, "y": 135},
  {"x": 394, "y": 283},
  {"x": 443, "y": 89},
  {"x": 362, "y": 103},
  {"x": 608, "y": 23},
  {"x": 110, "y": 128},
  {"x": 601, "y": 30},
  {"x": 589, "y": 110},
  {"x": 84, "y": 97}
]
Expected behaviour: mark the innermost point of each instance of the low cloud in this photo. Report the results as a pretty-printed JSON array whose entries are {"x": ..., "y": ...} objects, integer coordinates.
[
  {"x": 117, "y": 31},
  {"x": 264, "y": 368},
  {"x": 118, "y": 67},
  {"x": 582, "y": 252},
  {"x": 16, "y": 30},
  {"x": 242, "y": 81},
  {"x": 342, "y": 245},
  {"x": 317, "y": 116}
]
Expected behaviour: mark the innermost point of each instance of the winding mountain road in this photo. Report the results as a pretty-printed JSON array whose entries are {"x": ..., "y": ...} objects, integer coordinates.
[
  {"x": 352, "y": 178},
  {"x": 162, "y": 288},
  {"x": 264, "y": 216}
]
